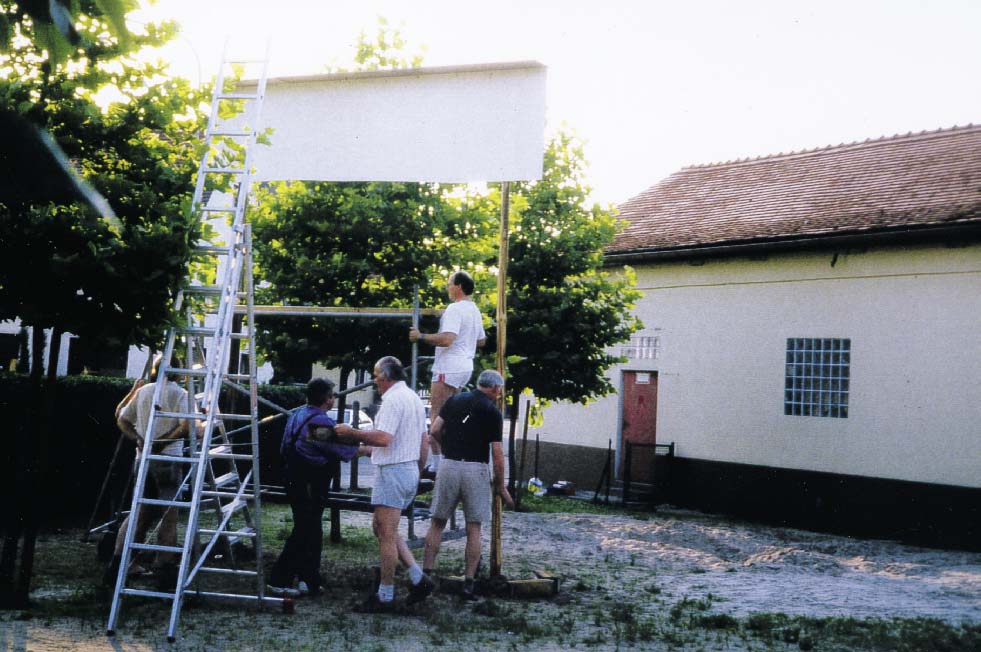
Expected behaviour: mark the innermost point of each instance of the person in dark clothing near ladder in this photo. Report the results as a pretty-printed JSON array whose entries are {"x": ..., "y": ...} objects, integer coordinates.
[
  {"x": 311, "y": 457},
  {"x": 469, "y": 429}
]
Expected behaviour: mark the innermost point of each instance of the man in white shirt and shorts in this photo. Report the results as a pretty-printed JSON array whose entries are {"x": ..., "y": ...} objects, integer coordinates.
[
  {"x": 461, "y": 332},
  {"x": 399, "y": 444}
]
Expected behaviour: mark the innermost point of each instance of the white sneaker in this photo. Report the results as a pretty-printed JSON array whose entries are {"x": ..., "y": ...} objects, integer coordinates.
[
  {"x": 303, "y": 588},
  {"x": 283, "y": 591}
]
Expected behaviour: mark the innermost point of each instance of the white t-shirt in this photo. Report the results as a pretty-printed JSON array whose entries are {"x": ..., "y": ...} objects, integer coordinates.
[
  {"x": 463, "y": 319},
  {"x": 173, "y": 398},
  {"x": 403, "y": 416}
]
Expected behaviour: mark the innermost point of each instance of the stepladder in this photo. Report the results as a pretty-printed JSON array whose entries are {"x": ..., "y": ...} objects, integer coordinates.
[{"x": 198, "y": 470}]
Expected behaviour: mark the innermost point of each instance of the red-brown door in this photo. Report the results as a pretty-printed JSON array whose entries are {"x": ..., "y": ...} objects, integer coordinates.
[{"x": 639, "y": 424}]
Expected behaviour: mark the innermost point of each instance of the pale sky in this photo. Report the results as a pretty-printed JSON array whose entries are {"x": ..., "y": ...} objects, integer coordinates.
[{"x": 652, "y": 86}]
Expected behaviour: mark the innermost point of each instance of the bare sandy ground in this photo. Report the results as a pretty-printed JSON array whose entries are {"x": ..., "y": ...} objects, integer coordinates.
[
  {"x": 753, "y": 568},
  {"x": 652, "y": 561}
]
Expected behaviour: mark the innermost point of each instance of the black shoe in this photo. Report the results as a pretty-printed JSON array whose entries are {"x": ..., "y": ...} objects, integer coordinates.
[
  {"x": 374, "y": 605},
  {"x": 468, "y": 593},
  {"x": 419, "y": 592}
]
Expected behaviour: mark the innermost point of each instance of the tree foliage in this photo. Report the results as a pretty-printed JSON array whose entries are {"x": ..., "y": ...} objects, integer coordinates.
[
  {"x": 360, "y": 245},
  {"x": 62, "y": 265},
  {"x": 565, "y": 308},
  {"x": 385, "y": 51},
  {"x": 53, "y": 25}
]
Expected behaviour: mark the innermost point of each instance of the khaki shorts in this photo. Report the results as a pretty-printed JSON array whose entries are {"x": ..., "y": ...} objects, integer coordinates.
[{"x": 467, "y": 481}]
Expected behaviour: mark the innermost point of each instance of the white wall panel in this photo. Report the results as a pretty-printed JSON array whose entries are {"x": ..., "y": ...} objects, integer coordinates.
[{"x": 453, "y": 124}]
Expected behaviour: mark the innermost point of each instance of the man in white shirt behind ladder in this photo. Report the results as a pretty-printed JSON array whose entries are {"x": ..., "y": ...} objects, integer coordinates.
[{"x": 461, "y": 332}]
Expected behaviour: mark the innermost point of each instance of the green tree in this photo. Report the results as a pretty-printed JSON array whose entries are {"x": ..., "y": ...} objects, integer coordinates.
[
  {"x": 64, "y": 267},
  {"x": 565, "y": 307},
  {"x": 51, "y": 24},
  {"x": 358, "y": 245}
]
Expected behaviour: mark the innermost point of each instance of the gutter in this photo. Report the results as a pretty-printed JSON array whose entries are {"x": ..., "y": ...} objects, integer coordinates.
[{"x": 952, "y": 235}]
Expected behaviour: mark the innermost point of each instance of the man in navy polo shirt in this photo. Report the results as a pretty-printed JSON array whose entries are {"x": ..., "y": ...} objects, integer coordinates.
[{"x": 469, "y": 428}]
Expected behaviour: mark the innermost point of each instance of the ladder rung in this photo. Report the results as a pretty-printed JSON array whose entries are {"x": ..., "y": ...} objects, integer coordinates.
[
  {"x": 234, "y": 417},
  {"x": 156, "y": 547},
  {"x": 204, "y": 289},
  {"x": 211, "y": 250},
  {"x": 226, "y": 571},
  {"x": 182, "y": 415},
  {"x": 244, "y": 533},
  {"x": 234, "y": 506},
  {"x": 182, "y": 371},
  {"x": 230, "y": 132},
  {"x": 238, "y": 96},
  {"x": 197, "y": 330},
  {"x": 148, "y": 594},
  {"x": 212, "y": 290},
  {"x": 218, "y": 209},
  {"x": 224, "y": 170},
  {"x": 224, "y": 452},
  {"x": 231, "y": 456},
  {"x": 174, "y": 458},
  {"x": 206, "y": 332},
  {"x": 166, "y": 503},
  {"x": 226, "y": 479},
  {"x": 226, "y": 494}
]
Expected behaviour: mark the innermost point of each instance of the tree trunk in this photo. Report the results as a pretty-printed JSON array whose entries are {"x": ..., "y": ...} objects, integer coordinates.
[
  {"x": 19, "y": 506},
  {"x": 40, "y": 462}
]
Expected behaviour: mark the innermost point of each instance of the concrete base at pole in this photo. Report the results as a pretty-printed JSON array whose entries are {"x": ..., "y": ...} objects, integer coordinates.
[{"x": 543, "y": 585}]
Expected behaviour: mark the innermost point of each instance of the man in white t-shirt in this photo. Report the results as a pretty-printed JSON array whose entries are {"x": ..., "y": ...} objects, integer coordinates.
[
  {"x": 399, "y": 444},
  {"x": 461, "y": 332}
]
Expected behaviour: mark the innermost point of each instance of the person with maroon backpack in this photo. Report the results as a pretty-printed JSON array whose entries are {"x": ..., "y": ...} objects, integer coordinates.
[{"x": 311, "y": 457}]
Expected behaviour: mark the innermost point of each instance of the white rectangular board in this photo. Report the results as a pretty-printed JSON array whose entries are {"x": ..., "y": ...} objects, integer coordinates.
[{"x": 453, "y": 124}]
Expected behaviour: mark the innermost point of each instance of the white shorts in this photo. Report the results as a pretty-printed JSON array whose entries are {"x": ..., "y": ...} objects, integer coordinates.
[
  {"x": 455, "y": 380},
  {"x": 395, "y": 485},
  {"x": 469, "y": 481}
]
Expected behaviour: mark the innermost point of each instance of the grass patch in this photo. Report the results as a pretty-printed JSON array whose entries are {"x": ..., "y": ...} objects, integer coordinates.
[
  {"x": 894, "y": 634},
  {"x": 564, "y": 505}
]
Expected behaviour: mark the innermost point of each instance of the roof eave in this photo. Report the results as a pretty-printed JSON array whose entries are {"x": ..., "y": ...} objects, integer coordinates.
[{"x": 958, "y": 233}]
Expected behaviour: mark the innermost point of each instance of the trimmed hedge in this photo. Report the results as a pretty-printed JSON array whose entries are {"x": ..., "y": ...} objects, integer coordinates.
[{"x": 84, "y": 437}]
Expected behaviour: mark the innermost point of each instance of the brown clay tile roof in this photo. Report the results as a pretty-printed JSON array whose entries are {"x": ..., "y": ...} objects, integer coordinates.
[{"x": 900, "y": 182}]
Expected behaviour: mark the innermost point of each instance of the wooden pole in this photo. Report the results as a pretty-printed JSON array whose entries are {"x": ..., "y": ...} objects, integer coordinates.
[{"x": 502, "y": 323}]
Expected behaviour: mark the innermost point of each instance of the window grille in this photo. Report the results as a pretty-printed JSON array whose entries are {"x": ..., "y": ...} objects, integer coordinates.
[
  {"x": 641, "y": 348},
  {"x": 817, "y": 377}
]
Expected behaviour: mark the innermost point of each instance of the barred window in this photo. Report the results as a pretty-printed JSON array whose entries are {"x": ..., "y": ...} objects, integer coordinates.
[
  {"x": 817, "y": 379},
  {"x": 641, "y": 348}
]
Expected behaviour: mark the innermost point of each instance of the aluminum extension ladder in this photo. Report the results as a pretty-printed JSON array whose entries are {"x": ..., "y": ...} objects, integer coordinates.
[{"x": 217, "y": 496}]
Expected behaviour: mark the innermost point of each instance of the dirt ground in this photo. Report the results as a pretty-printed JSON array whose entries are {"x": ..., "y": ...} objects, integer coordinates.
[{"x": 670, "y": 580}]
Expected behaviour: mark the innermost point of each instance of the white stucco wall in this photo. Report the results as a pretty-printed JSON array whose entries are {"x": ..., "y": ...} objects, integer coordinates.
[{"x": 912, "y": 316}]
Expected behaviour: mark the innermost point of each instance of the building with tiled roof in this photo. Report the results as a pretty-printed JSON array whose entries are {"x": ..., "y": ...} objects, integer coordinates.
[
  {"x": 811, "y": 351},
  {"x": 926, "y": 184}
]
